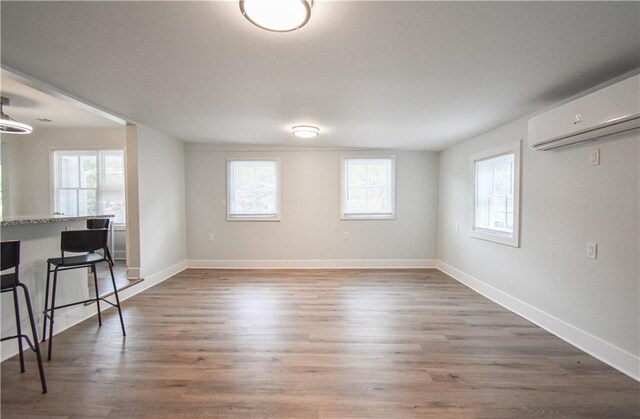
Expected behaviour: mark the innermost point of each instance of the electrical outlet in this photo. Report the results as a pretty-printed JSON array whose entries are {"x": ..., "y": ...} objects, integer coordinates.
[
  {"x": 346, "y": 236},
  {"x": 592, "y": 250},
  {"x": 594, "y": 157},
  {"x": 211, "y": 237}
]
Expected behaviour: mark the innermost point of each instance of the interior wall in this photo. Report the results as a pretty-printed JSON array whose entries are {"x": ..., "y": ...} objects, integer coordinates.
[
  {"x": 565, "y": 204},
  {"x": 310, "y": 228},
  {"x": 161, "y": 189},
  {"x": 26, "y": 162}
]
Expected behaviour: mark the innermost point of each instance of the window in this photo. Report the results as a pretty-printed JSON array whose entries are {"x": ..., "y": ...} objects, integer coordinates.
[
  {"x": 89, "y": 182},
  {"x": 253, "y": 189},
  {"x": 497, "y": 195},
  {"x": 368, "y": 188}
]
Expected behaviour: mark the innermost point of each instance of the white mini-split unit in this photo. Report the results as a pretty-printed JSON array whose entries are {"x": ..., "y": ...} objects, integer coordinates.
[{"x": 610, "y": 111}]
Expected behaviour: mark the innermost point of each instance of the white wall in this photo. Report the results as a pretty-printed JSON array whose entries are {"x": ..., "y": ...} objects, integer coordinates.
[
  {"x": 565, "y": 203},
  {"x": 161, "y": 186},
  {"x": 26, "y": 162},
  {"x": 310, "y": 232}
]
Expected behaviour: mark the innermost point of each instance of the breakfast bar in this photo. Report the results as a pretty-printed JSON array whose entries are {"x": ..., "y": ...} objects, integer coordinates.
[{"x": 40, "y": 240}]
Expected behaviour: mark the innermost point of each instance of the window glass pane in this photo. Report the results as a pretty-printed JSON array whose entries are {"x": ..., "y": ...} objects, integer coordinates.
[
  {"x": 111, "y": 193},
  {"x": 68, "y": 172},
  {"x": 376, "y": 201},
  {"x": 88, "y": 171},
  {"x": 494, "y": 193},
  {"x": 253, "y": 188},
  {"x": 87, "y": 203},
  {"x": 112, "y": 202},
  {"x": 67, "y": 201},
  {"x": 368, "y": 183},
  {"x": 113, "y": 163}
]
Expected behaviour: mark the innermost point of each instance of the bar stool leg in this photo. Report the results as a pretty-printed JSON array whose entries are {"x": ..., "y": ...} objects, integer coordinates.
[
  {"x": 115, "y": 292},
  {"x": 35, "y": 337},
  {"x": 16, "y": 305},
  {"x": 95, "y": 282},
  {"x": 46, "y": 304},
  {"x": 53, "y": 306}
]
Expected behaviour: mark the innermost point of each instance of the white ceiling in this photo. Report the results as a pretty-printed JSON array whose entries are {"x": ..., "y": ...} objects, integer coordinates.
[
  {"x": 28, "y": 105},
  {"x": 415, "y": 75}
]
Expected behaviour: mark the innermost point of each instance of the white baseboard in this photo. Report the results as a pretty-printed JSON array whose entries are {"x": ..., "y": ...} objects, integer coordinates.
[
  {"x": 69, "y": 318},
  {"x": 313, "y": 264},
  {"x": 618, "y": 358},
  {"x": 155, "y": 278}
]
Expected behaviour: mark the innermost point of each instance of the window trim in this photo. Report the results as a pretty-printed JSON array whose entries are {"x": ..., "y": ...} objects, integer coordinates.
[
  {"x": 343, "y": 188},
  {"x": 494, "y": 235},
  {"x": 275, "y": 218}
]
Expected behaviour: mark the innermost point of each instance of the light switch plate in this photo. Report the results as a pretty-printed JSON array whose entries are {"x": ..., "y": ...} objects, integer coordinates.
[
  {"x": 594, "y": 157},
  {"x": 592, "y": 250}
]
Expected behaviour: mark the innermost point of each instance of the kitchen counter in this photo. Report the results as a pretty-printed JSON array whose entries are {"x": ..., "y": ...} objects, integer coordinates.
[{"x": 46, "y": 219}]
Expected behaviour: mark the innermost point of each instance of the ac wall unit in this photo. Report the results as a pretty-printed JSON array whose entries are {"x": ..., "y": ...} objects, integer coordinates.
[{"x": 612, "y": 110}]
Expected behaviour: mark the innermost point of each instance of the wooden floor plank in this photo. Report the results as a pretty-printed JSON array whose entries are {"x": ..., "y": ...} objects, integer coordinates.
[{"x": 315, "y": 344}]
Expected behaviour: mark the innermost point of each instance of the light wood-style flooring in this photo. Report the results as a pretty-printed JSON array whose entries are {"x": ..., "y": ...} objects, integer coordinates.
[{"x": 315, "y": 344}]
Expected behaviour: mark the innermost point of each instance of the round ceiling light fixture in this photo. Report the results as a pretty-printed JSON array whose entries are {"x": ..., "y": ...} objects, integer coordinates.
[
  {"x": 305, "y": 131},
  {"x": 277, "y": 15},
  {"x": 7, "y": 124}
]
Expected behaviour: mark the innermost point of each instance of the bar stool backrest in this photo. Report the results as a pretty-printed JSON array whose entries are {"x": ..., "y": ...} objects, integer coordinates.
[
  {"x": 97, "y": 223},
  {"x": 81, "y": 241},
  {"x": 10, "y": 257}
]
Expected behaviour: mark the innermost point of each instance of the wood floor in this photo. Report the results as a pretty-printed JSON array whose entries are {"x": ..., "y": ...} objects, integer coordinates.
[
  {"x": 104, "y": 278},
  {"x": 318, "y": 344}
]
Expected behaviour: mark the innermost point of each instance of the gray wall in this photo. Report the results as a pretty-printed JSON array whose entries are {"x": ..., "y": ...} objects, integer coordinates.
[
  {"x": 565, "y": 204},
  {"x": 26, "y": 163},
  {"x": 310, "y": 228},
  {"x": 161, "y": 185}
]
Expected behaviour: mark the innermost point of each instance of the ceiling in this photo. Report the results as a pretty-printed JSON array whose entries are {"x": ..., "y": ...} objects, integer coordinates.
[
  {"x": 411, "y": 75},
  {"x": 28, "y": 105}
]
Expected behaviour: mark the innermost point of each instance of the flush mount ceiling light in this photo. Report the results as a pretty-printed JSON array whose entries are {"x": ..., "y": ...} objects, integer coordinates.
[
  {"x": 277, "y": 15},
  {"x": 305, "y": 131},
  {"x": 7, "y": 124}
]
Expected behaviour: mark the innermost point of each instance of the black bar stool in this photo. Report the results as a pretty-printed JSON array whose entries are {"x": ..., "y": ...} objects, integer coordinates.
[
  {"x": 100, "y": 224},
  {"x": 10, "y": 258},
  {"x": 80, "y": 241}
]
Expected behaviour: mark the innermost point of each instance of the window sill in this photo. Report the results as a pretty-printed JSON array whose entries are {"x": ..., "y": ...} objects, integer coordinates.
[
  {"x": 252, "y": 218},
  {"x": 367, "y": 217},
  {"x": 496, "y": 237}
]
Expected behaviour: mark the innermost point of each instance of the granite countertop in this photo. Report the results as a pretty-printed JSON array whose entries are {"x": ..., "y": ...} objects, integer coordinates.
[{"x": 45, "y": 219}]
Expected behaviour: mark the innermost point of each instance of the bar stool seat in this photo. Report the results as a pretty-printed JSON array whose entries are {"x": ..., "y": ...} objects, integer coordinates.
[
  {"x": 10, "y": 282},
  {"x": 79, "y": 241},
  {"x": 77, "y": 260}
]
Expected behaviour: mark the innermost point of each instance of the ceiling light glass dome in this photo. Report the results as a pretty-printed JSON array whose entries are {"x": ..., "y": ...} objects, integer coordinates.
[{"x": 277, "y": 15}]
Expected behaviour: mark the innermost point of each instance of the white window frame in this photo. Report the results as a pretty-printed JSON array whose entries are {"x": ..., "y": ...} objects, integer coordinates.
[
  {"x": 233, "y": 217},
  {"x": 343, "y": 189},
  {"x": 509, "y": 239},
  {"x": 54, "y": 196}
]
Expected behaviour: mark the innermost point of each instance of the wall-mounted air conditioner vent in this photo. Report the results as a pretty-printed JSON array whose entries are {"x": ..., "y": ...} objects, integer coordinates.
[{"x": 606, "y": 112}]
